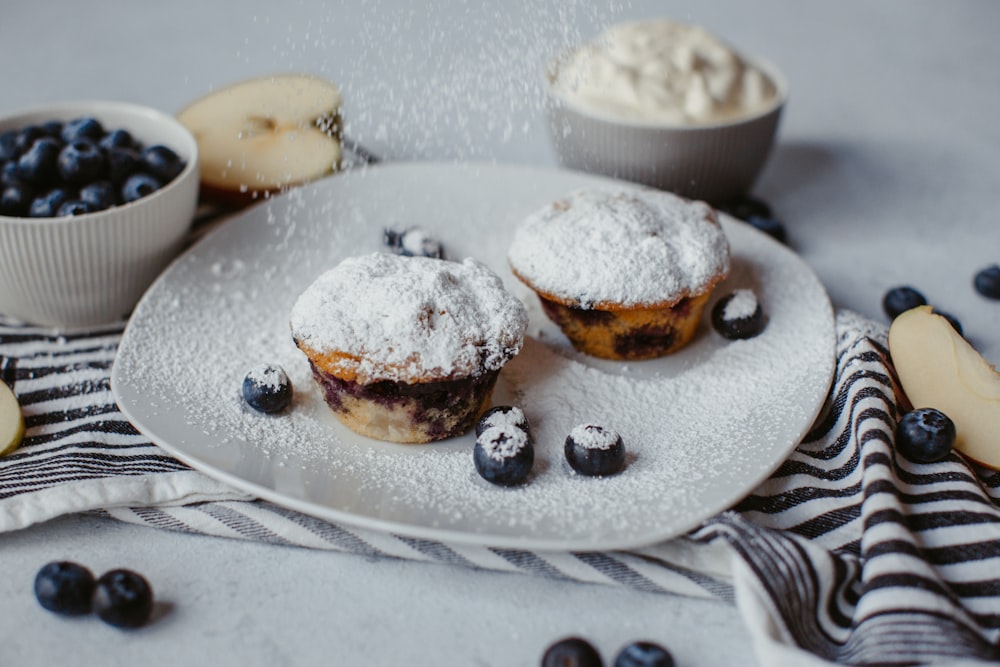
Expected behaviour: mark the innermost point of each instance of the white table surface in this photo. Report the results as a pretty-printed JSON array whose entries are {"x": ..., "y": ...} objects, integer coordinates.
[{"x": 890, "y": 135}]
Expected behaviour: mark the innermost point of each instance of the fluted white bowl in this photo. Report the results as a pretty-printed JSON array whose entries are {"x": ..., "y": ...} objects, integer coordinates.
[{"x": 91, "y": 269}]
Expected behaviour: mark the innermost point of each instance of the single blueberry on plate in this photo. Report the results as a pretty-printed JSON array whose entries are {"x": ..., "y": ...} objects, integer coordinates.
[
  {"x": 746, "y": 207},
  {"x": 412, "y": 242},
  {"x": 74, "y": 207},
  {"x": 572, "y": 652},
  {"x": 15, "y": 201},
  {"x": 594, "y": 450},
  {"x": 901, "y": 299},
  {"x": 503, "y": 455},
  {"x": 925, "y": 435},
  {"x": 65, "y": 588},
  {"x": 99, "y": 194},
  {"x": 38, "y": 165},
  {"x": 769, "y": 226},
  {"x": 266, "y": 388},
  {"x": 162, "y": 162},
  {"x": 738, "y": 315},
  {"x": 502, "y": 415},
  {"x": 122, "y": 163},
  {"x": 8, "y": 145},
  {"x": 123, "y": 598},
  {"x": 644, "y": 654},
  {"x": 987, "y": 282},
  {"x": 82, "y": 128},
  {"x": 82, "y": 162},
  {"x": 138, "y": 186},
  {"x": 47, "y": 205},
  {"x": 117, "y": 139}
]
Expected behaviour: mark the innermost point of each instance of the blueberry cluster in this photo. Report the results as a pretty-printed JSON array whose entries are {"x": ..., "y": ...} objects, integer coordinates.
[
  {"x": 120, "y": 597},
  {"x": 578, "y": 652},
  {"x": 57, "y": 169},
  {"x": 412, "y": 242}
]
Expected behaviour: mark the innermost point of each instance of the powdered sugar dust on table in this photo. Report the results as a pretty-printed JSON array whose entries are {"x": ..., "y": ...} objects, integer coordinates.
[{"x": 702, "y": 427}]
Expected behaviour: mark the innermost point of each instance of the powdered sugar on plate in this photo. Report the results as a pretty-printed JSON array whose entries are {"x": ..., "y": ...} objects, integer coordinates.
[{"x": 701, "y": 427}]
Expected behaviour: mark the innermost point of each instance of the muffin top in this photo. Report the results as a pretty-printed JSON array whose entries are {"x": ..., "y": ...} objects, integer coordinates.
[
  {"x": 620, "y": 248},
  {"x": 408, "y": 319}
]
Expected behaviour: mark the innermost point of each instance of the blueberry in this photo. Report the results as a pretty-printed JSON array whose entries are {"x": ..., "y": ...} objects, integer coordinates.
[
  {"x": 117, "y": 139},
  {"x": 27, "y": 136},
  {"x": 504, "y": 455},
  {"x": 138, "y": 186},
  {"x": 266, "y": 388},
  {"x": 38, "y": 165},
  {"x": 413, "y": 242},
  {"x": 987, "y": 282},
  {"x": 925, "y": 435},
  {"x": 738, "y": 315},
  {"x": 162, "y": 162},
  {"x": 769, "y": 226},
  {"x": 502, "y": 415},
  {"x": 53, "y": 128},
  {"x": 901, "y": 299},
  {"x": 122, "y": 163},
  {"x": 594, "y": 450},
  {"x": 74, "y": 207},
  {"x": 99, "y": 194},
  {"x": 15, "y": 201},
  {"x": 644, "y": 654},
  {"x": 65, "y": 588},
  {"x": 123, "y": 598},
  {"x": 82, "y": 128},
  {"x": 746, "y": 207},
  {"x": 8, "y": 145},
  {"x": 572, "y": 652},
  {"x": 952, "y": 320},
  {"x": 47, "y": 205},
  {"x": 81, "y": 162},
  {"x": 9, "y": 174}
]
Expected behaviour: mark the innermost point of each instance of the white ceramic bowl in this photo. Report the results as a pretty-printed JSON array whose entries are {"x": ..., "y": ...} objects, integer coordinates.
[
  {"x": 713, "y": 162},
  {"x": 91, "y": 269}
]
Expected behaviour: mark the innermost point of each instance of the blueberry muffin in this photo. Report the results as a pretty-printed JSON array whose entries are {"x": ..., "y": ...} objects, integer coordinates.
[
  {"x": 408, "y": 349},
  {"x": 624, "y": 272}
]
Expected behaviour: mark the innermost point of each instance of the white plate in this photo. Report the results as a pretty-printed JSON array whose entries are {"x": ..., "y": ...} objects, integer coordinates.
[{"x": 703, "y": 427}]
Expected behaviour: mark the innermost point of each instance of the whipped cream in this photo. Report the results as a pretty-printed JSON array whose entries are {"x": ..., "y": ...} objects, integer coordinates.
[{"x": 663, "y": 71}]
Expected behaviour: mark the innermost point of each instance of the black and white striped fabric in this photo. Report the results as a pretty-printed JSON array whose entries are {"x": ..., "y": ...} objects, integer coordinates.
[{"x": 847, "y": 554}]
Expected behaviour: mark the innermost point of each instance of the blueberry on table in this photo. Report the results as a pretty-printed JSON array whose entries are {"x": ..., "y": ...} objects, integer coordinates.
[
  {"x": 925, "y": 435},
  {"x": 81, "y": 162},
  {"x": 123, "y": 598},
  {"x": 952, "y": 320},
  {"x": 39, "y": 164},
  {"x": 901, "y": 299},
  {"x": 746, "y": 207},
  {"x": 15, "y": 201},
  {"x": 266, "y": 388},
  {"x": 502, "y": 415},
  {"x": 47, "y": 205},
  {"x": 162, "y": 162},
  {"x": 65, "y": 587},
  {"x": 117, "y": 139},
  {"x": 594, "y": 450},
  {"x": 503, "y": 455},
  {"x": 138, "y": 186},
  {"x": 74, "y": 207},
  {"x": 82, "y": 128},
  {"x": 987, "y": 282},
  {"x": 738, "y": 315},
  {"x": 644, "y": 654},
  {"x": 572, "y": 652},
  {"x": 769, "y": 226},
  {"x": 99, "y": 194}
]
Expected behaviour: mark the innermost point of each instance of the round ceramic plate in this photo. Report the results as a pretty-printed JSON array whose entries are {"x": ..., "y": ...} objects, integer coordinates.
[{"x": 702, "y": 427}]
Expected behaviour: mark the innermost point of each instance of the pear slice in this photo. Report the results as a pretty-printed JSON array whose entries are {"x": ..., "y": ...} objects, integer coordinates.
[
  {"x": 11, "y": 421},
  {"x": 938, "y": 368},
  {"x": 265, "y": 135}
]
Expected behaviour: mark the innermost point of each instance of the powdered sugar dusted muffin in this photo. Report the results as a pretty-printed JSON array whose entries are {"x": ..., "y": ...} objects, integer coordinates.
[
  {"x": 408, "y": 349},
  {"x": 624, "y": 272}
]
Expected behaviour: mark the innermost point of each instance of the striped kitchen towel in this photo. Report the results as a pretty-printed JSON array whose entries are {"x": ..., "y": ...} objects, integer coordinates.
[{"x": 849, "y": 553}]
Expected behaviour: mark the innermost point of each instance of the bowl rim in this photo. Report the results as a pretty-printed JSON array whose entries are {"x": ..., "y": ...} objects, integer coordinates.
[
  {"x": 557, "y": 101},
  {"x": 94, "y": 106}
]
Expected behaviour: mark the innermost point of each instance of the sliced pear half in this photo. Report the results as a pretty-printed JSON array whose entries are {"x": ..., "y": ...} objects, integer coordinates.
[
  {"x": 266, "y": 134},
  {"x": 938, "y": 368},
  {"x": 11, "y": 421}
]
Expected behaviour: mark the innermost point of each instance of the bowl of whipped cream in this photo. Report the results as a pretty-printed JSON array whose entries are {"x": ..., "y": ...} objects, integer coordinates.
[{"x": 666, "y": 104}]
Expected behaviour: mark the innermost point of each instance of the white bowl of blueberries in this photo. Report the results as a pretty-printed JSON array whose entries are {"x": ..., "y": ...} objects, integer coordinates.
[{"x": 96, "y": 198}]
